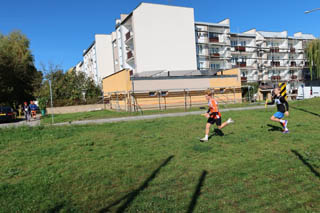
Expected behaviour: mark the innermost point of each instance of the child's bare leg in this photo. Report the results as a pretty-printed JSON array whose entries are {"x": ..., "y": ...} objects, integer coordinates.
[
  {"x": 208, "y": 125},
  {"x": 223, "y": 125}
]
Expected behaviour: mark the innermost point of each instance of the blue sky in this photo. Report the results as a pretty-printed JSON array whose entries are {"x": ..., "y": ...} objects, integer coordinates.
[{"x": 60, "y": 30}]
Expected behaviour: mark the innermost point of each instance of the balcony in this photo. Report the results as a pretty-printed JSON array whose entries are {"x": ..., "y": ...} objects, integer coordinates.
[
  {"x": 244, "y": 79},
  {"x": 241, "y": 64},
  {"x": 128, "y": 35},
  {"x": 276, "y": 78},
  {"x": 275, "y": 63},
  {"x": 214, "y": 39},
  {"x": 129, "y": 55},
  {"x": 292, "y": 50},
  {"x": 214, "y": 55},
  {"x": 294, "y": 77},
  {"x": 274, "y": 49},
  {"x": 293, "y": 64},
  {"x": 240, "y": 48}
]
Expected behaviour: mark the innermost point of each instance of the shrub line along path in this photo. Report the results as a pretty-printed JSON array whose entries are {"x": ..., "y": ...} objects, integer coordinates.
[{"x": 148, "y": 117}]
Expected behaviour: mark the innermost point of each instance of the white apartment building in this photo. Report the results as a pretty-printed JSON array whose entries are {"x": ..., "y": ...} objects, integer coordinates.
[
  {"x": 98, "y": 58},
  {"x": 262, "y": 56},
  {"x": 157, "y": 39}
]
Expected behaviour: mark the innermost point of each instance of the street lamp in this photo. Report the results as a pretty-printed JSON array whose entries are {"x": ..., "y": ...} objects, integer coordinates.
[
  {"x": 306, "y": 12},
  {"x": 310, "y": 11}
]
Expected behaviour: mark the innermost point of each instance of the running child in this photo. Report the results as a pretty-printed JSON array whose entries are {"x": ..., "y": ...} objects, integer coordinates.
[
  {"x": 282, "y": 107},
  {"x": 213, "y": 115}
]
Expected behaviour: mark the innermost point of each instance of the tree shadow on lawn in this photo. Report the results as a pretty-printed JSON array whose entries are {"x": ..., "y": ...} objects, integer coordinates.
[
  {"x": 315, "y": 172},
  {"x": 197, "y": 192},
  {"x": 303, "y": 110},
  {"x": 132, "y": 195},
  {"x": 274, "y": 128}
]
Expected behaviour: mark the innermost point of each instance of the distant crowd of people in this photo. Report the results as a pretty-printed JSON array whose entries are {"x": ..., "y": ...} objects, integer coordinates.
[{"x": 30, "y": 110}]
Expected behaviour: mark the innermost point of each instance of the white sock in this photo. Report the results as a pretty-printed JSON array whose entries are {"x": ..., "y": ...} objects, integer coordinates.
[
  {"x": 206, "y": 137},
  {"x": 282, "y": 121}
]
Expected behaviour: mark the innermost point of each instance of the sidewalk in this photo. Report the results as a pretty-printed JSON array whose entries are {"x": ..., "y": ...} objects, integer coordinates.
[
  {"x": 148, "y": 117},
  {"x": 22, "y": 123}
]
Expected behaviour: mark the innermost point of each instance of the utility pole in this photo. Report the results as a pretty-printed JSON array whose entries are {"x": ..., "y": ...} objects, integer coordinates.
[{"x": 51, "y": 102}]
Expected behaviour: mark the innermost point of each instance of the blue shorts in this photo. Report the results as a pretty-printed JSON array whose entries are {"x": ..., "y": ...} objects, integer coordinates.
[{"x": 278, "y": 115}]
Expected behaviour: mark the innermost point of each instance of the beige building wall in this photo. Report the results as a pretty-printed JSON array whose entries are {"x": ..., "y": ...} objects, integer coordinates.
[
  {"x": 164, "y": 38},
  {"x": 167, "y": 84},
  {"x": 119, "y": 81}
]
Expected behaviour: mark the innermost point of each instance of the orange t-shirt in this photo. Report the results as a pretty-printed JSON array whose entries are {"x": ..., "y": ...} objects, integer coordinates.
[{"x": 213, "y": 109}]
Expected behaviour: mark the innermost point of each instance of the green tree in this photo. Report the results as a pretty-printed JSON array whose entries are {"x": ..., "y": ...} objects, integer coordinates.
[
  {"x": 313, "y": 54},
  {"x": 68, "y": 87},
  {"x": 18, "y": 75}
]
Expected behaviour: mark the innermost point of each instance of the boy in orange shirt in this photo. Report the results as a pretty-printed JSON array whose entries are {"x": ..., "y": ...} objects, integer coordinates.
[{"x": 213, "y": 115}]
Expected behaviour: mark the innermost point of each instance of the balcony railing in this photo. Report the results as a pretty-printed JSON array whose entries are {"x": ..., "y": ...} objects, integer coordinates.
[
  {"x": 243, "y": 78},
  {"x": 274, "y": 49},
  {"x": 292, "y": 50},
  {"x": 275, "y": 63},
  {"x": 294, "y": 77},
  {"x": 128, "y": 35},
  {"x": 214, "y": 55},
  {"x": 129, "y": 54},
  {"x": 240, "y": 48},
  {"x": 241, "y": 64},
  {"x": 214, "y": 39},
  {"x": 275, "y": 78}
]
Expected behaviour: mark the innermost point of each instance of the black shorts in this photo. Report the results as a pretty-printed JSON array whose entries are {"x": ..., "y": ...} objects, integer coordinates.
[{"x": 213, "y": 120}]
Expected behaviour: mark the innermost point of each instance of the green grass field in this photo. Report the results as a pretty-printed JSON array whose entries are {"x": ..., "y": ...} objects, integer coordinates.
[
  {"x": 58, "y": 118},
  {"x": 160, "y": 165}
]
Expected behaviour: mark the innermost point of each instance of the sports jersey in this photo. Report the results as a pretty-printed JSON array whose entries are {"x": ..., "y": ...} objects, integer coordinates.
[
  {"x": 213, "y": 109},
  {"x": 282, "y": 104}
]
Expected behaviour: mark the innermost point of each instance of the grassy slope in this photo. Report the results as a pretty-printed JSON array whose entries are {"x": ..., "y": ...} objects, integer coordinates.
[
  {"x": 88, "y": 168},
  {"x": 113, "y": 114}
]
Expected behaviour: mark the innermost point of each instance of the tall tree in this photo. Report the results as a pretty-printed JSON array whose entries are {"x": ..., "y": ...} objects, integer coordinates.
[
  {"x": 68, "y": 87},
  {"x": 18, "y": 75},
  {"x": 313, "y": 54}
]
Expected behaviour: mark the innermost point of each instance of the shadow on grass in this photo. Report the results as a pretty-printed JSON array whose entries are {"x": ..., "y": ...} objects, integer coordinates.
[
  {"x": 274, "y": 128},
  {"x": 132, "y": 195},
  {"x": 197, "y": 192},
  {"x": 217, "y": 132},
  {"x": 303, "y": 110},
  {"x": 315, "y": 172}
]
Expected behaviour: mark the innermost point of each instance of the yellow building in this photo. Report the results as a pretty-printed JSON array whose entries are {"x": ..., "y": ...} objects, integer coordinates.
[{"x": 126, "y": 92}]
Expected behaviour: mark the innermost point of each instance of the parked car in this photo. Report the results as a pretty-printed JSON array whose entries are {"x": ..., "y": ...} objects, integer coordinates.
[{"x": 7, "y": 114}]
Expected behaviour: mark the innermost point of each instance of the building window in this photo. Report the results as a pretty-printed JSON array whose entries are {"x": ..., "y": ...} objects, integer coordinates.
[
  {"x": 214, "y": 66},
  {"x": 234, "y": 60},
  {"x": 243, "y": 43},
  {"x": 214, "y": 50},
  {"x": 234, "y": 43},
  {"x": 213, "y": 35}
]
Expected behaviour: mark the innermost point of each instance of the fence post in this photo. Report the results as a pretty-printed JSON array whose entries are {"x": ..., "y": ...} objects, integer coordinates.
[
  {"x": 190, "y": 101},
  {"x": 249, "y": 98},
  {"x": 159, "y": 93},
  {"x": 117, "y": 101},
  {"x": 234, "y": 95},
  {"x": 185, "y": 100},
  {"x": 110, "y": 100},
  {"x": 165, "y": 103}
]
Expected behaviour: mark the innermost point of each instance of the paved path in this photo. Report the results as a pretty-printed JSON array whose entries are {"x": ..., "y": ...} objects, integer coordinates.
[
  {"x": 21, "y": 123},
  {"x": 147, "y": 117}
]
